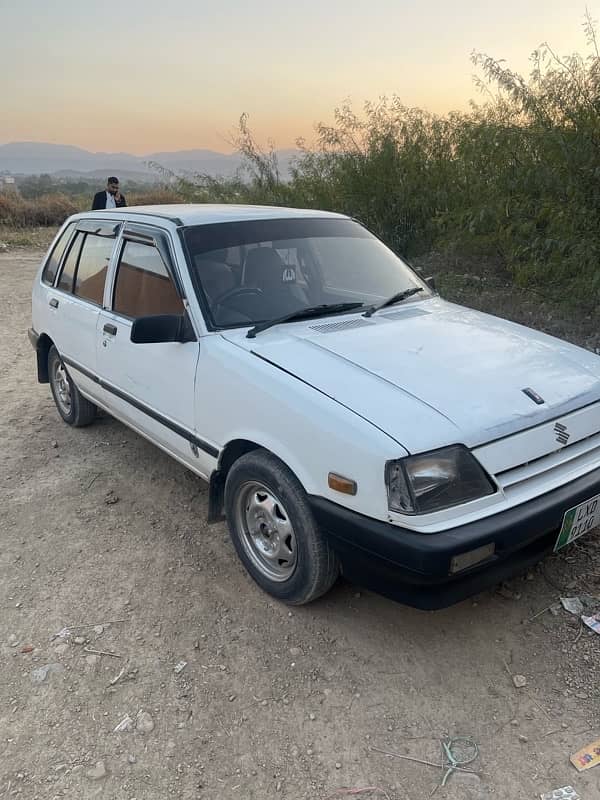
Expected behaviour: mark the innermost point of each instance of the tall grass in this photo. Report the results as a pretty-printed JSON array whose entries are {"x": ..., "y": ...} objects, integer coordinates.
[{"x": 51, "y": 209}]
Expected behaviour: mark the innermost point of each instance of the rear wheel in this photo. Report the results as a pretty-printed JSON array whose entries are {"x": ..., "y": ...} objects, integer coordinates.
[
  {"x": 72, "y": 406},
  {"x": 274, "y": 532}
]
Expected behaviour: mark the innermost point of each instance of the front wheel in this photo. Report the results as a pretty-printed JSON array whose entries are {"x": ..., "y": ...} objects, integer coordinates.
[
  {"x": 274, "y": 532},
  {"x": 72, "y": 406}
]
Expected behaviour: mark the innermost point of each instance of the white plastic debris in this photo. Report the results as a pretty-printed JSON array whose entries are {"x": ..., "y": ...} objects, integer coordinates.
[
  {"x": 593, "y": 622},
  {"x": 179, "y": 667},
  {"x": 566, "y": 793},
  {"x": 573, "y": 605},
  {"x": 126, "y": 724}
]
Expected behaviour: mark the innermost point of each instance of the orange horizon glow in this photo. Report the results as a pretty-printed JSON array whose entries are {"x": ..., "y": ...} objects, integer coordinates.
[{"x": 154, "y": 78}]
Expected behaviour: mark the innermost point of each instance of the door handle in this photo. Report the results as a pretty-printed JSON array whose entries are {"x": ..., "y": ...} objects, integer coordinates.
[
  {"x": 111, "y": 329},
  {"x": 53, "y": 303}
]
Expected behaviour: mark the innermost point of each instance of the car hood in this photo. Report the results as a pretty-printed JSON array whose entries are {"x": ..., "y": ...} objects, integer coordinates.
[{"x": 431, "y": 373}]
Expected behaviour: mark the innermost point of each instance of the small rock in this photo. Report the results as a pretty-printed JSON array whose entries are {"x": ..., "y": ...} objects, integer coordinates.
[
  {"x": 520, "y": 681},
  {"x": 295, "y": 651},
  {"x": 131, "y": 758},
  {"x": 55, "y": 445},
  {"x": 79, "y": 640},
  {"x": 523, "y": 739},
  {"x": 92, "y": 660},
  {"x": 508, "y": 594},
  {"x": 40, "y": 674},
  {"x": 61, "y": 649},
  {"x": 144, "y": 722},
  {"x": 111, "y": 498},
  {"x": 12, "y": 640},
  {"x": 98, "y": 630},
  {"x": 97, "y": 772},
  {"x": 312, "y": 717},
  {"x": 515, "y": 722},
  {"x": 265, "y": 703},
  {"x": 27, "y": 648},
  {"x": 338, "y": 765},
  {"x": 581, "y": 696},
  {"x": 232, "y": 698}
]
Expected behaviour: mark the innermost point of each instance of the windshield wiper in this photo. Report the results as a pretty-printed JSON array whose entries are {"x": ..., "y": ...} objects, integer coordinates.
[
  {"x": 395, "y": 298},
  {"x": 304, "y": 313}
]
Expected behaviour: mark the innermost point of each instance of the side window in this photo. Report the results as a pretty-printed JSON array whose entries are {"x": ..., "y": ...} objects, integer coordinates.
[
  {"x": 143, "y": 286},
  {"x": 68, "y": 271},
  {"x": 92, "y": 267},
  {"x": 52, "y": 264}
]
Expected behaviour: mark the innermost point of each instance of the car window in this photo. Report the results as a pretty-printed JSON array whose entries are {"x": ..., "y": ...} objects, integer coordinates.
[
  {"x": 288, "y": 265},
  {"x": 53, "y": 262},
  {"x": 68, "y": 271},
  {"x": 92, "y": 267},
  {"x": 143, "y": 286},
  {"x": 344, "y": 265}
]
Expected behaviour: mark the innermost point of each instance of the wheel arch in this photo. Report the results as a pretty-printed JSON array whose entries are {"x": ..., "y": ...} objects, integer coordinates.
[{"x": 233, "y": 450}]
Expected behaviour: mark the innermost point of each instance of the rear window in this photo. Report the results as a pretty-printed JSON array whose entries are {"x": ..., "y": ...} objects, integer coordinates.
[
  {"x": 92, "y": 267},
  {"x": 55, "y": 257},
  {"x": 68, "y": 271}
]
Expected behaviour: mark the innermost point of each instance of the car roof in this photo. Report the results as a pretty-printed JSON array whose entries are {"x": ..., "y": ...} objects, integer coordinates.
[{"x": 205, "y": 213}]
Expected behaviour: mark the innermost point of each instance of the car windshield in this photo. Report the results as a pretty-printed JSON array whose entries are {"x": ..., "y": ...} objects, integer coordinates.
[{"x": 253, "y": 271}]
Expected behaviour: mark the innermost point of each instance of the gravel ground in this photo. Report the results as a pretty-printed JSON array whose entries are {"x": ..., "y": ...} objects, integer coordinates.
[{"x": 220, "y": 691}]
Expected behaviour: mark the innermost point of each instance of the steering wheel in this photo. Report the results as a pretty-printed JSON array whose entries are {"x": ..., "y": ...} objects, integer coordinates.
[{"x": 239, "y": 291}]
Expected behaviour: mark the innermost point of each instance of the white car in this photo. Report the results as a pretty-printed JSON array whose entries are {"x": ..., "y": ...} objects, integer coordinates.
[{"x": 346, "y": 417}]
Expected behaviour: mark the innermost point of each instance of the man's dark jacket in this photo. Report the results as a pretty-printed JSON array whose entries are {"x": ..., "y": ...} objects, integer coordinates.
[{"x": 100, "y": 201}]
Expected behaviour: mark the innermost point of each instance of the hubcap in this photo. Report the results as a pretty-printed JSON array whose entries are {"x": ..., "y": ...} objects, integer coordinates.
[
  {"x": 266, "y": 532},
  {"x": 62, "y": 386}
]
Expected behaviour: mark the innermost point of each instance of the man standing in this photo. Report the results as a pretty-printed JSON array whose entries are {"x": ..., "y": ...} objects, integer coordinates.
[{"x": 111, "y": 198}]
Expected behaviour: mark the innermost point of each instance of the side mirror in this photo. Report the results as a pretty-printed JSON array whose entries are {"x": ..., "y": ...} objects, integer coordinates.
[
  {"x": 431, "y": 283},
  {"x": 162, "y": 328}
]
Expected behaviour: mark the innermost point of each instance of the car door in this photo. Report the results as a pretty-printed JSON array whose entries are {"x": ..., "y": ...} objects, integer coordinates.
[
  {"x": 76, "y": 298},
  {"x": 150, "y": 386}
]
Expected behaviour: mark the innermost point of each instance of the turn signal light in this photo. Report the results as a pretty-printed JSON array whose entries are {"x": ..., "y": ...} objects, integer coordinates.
[{"x": 340, "y": 484}]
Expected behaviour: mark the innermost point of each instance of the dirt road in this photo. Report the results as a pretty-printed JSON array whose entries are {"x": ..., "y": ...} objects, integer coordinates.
[{"x": 99, "y": 528}]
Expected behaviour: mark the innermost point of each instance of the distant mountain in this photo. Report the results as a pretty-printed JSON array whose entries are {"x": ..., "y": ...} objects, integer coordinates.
[{"x": 35, "y": 158}]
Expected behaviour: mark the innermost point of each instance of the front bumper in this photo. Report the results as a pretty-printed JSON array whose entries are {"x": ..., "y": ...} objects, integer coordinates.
[{"x": 414, "y": 568}]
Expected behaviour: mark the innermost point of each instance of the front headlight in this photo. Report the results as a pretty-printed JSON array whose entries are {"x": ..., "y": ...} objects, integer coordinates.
[{"x": 433, "y": 481}]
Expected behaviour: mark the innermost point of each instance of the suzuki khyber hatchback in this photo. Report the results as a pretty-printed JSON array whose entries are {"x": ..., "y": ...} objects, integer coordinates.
[{"x": 347, "y": 419}]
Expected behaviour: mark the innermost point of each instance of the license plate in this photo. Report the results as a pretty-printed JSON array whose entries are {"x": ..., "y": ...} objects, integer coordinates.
[{"x": 578, "y": 521}]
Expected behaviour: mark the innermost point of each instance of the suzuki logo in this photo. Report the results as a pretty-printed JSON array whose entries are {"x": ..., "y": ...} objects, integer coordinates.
[{"x": 562, "y": 434}]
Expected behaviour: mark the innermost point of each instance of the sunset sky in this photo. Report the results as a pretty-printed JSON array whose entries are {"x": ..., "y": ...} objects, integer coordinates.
[{"x": 148, "y": 75}]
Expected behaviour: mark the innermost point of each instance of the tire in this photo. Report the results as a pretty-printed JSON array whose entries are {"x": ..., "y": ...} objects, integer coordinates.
[
  {"x": 72, "y": 406},
  {"x": 274, "y": 532}
]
